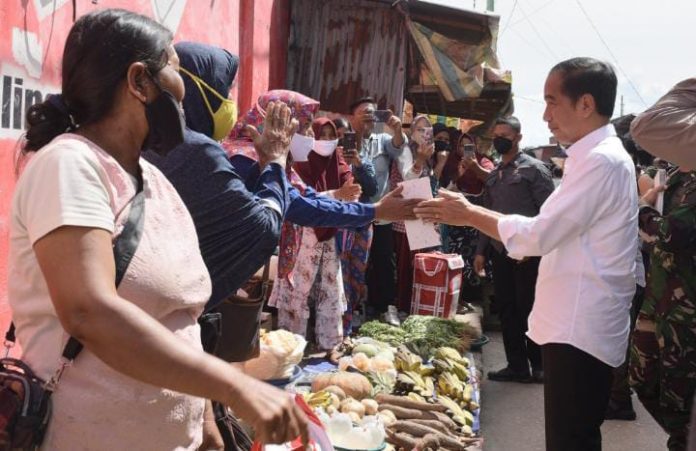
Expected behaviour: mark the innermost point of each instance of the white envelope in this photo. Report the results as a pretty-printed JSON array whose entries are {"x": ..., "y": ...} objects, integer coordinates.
[
  {"x": 325, "y": 148},
  {"x": 300, "y": 146},
  {"x": 420, "y": 234}
]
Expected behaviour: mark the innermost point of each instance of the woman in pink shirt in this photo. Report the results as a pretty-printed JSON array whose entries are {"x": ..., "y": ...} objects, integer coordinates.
[{"x": 142, "y": 379}]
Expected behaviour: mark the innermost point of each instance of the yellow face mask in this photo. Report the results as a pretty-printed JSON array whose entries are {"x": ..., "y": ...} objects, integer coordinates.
[{"x": 225, "y": 117}]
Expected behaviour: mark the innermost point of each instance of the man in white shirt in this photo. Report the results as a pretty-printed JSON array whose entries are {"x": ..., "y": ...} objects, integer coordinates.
[{"x": 585, "y": 233}]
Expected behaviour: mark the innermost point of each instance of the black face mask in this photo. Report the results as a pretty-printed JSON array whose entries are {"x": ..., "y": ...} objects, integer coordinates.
[
  {"x": 502, "y": 145},
  {"x": 441, "y": 145},
  {"x": 166, "y": 122}
]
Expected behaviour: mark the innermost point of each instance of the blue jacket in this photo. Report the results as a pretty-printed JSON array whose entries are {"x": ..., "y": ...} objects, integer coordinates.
[{"x": 312, "y": 209}]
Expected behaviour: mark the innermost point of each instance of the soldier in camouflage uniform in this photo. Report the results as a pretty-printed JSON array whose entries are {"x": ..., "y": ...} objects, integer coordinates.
[{"x": 663, "y": 350}]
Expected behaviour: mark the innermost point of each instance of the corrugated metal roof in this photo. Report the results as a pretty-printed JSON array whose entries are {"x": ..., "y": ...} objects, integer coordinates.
[{"x": 343, "y": 50}]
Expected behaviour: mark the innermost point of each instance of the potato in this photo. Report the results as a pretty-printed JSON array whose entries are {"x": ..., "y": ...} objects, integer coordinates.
[
  {"x": 371, "y": 406},
  {"x": 351, "y": 405},
  {"x": 338, "y": 391}
]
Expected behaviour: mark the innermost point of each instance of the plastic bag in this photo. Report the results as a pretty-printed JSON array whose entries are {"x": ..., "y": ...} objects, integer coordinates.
[{"x": 280, "y": 352}]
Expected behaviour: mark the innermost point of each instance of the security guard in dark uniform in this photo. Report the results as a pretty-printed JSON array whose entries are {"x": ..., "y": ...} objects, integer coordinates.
[{"x": 518, "y": 185}]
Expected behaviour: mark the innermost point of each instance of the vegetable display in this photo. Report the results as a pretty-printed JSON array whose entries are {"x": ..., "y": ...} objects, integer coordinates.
[
  {"x": 414, "y": 388},
  {"x": 353, "y": 385},
  {"x": 422, "y": 334}
]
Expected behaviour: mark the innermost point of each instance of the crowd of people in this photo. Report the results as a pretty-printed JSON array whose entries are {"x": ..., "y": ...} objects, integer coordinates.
[{"x": 223, "y": 193}]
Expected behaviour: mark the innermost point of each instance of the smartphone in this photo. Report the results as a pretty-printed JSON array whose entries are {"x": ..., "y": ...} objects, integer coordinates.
[
  {"x": 382, "y": 115},
  {"x": 441, "y": 146},
  {"x": 469, "y": 151},
  {"x": 349, "y": 141}
]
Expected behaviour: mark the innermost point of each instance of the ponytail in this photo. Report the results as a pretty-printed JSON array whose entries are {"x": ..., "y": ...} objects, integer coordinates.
[{"x": 45, "y": 121}]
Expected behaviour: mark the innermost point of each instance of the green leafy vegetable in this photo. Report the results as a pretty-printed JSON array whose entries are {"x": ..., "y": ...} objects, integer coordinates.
[{"x": 422, "y": 334}]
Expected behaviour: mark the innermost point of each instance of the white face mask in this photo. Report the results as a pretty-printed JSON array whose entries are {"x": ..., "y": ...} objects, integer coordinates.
[
  {"x": 300, "y": 146},
  {"x": 325, "y": 148}
]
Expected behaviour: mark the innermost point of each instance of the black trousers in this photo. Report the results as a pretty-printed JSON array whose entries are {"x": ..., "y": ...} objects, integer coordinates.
[
  {"x": 514, "y": 283},
  {"x": 381, "y": 269},
  {"x": 576, "y": 393}
]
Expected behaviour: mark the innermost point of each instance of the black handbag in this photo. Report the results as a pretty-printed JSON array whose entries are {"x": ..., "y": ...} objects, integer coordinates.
[
  {"x": 241, "y": 319},
  {"x": 25, "y": 399}
]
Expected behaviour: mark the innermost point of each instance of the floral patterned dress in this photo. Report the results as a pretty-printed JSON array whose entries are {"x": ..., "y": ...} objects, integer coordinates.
[{"x": 309, "y": 281}]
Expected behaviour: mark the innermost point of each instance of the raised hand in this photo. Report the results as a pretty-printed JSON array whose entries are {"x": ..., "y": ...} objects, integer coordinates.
[
  {"x": 279, "y": 126},
  {"x": 349, "y": 192},
  {"x": 394, "y": 123}
]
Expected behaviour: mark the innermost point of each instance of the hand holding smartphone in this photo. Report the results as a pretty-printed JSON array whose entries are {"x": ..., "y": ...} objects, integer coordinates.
[
  {"x": 352, "y": 157},
  {"x": 382, "y": 115},
  {"x": 469, "y": 152},
  {"x": 349, "y": 141}
]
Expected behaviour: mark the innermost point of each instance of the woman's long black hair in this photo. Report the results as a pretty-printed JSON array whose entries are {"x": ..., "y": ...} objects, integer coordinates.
[{"x": 99, "y": 49}]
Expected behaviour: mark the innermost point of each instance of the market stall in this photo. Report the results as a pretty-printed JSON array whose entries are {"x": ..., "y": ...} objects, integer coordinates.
[{"x": 408, "y": 387}]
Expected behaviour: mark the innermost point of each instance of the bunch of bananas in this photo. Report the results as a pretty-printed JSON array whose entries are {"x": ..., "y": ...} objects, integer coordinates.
[
  {"x": 448, "y": 384},
  {"x": 446, "y": 378},
  {"x": 452, "y": 377},
  {"x": 319, "y": 399},
  {"x": 458, "y": 414},
  {"x": 451, "y": 354},
  {"x": 451, "y": 366},
  {"x": 405, "y": 360},
  {"x": 413, "y": 382}
]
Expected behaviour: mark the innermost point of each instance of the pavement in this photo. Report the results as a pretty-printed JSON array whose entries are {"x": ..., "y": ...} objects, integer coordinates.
[{"x": 512, "y": 415}]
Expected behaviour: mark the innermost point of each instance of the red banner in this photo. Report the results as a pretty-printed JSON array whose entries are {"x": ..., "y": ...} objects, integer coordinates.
[{"x": 32, "y": 35}]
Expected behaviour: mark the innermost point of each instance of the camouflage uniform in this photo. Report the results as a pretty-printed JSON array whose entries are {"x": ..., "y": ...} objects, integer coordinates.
[{"x": 663, "y": 349}]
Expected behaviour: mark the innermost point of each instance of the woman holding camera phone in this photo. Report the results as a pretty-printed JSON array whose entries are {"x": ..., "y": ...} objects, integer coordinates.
[{"x": 422, "y": 147}]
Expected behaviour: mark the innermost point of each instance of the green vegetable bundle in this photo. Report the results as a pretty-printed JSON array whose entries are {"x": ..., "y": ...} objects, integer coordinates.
[{"x": 421, "y": 334}]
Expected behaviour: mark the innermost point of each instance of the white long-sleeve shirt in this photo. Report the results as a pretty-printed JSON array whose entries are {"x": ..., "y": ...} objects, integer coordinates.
[{"x": 586, "y": 235}]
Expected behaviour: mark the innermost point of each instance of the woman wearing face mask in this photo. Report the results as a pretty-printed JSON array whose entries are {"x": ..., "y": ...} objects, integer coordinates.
[
  {"x": 422, "y": 147},
  {"x": 315, "y": 290},
  {"x": 443, "y": 146},
  {"x": 307, "y": 207},
  {"x": 465, "y": 171},
  {"x": 352, "y": 245},
  {"x": 238, "y": 225},
  {"x": 141, "y": 380}
]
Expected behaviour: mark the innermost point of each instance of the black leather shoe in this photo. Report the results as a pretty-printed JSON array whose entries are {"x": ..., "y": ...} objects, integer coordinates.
[
  {"x": 537, "y": 377},
  {"x": 623, "y": 412},
  {"x": 507, "y": 374}
]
